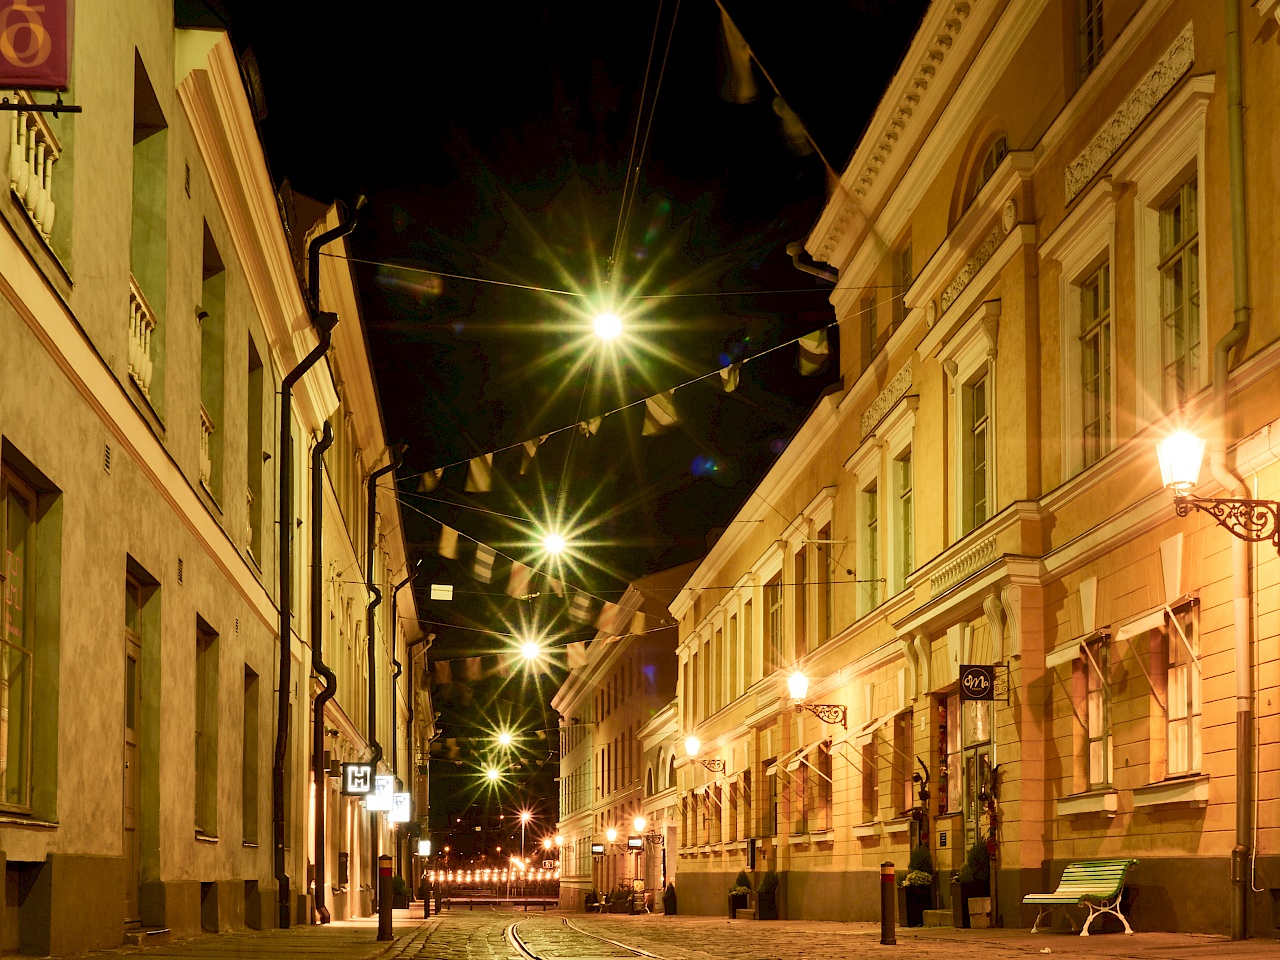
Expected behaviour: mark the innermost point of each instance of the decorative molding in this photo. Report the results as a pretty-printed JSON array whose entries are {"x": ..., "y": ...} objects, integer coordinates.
[
  {"x": 969, "y": 562},
  {"x": 930, "y": 313},
  {"x": 1136, "y": 107},
  {"x": 1009, "y": 215},
  {"x": 1011, "y": 597},
  {"x": 970, "y": 270},
  {"x": 883, "y": 403}
]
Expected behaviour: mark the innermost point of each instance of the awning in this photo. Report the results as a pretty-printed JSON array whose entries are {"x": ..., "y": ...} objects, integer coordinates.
[
  {"x": 1063, "y": 654},
  {"x": 1148, "y": 621}
]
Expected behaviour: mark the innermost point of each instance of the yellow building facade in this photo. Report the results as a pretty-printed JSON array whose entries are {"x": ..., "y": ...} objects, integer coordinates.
[{"x": 1040, "y": 269}]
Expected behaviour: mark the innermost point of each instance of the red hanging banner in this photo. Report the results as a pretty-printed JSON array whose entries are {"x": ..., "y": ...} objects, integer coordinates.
[{"x": 33, "y": 44}]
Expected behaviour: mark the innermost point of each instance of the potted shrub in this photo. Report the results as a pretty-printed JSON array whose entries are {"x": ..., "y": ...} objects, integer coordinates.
[
  {"x": 973, "y": 880},
  {"x": 669, "y": 898},
  {"x": 399, "y": 893},
  {"x": 739, "y": 894},
  {"x": 767, "y": 896},
  {"x": 918, "y": 886}
]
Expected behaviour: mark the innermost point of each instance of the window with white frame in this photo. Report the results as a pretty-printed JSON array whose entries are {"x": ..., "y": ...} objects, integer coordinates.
[
  {"x": 869, "y": 756},
  {"x": 991, "y": 161},
  {"x": 18, "y": 564},
  {"x": 826, "y": 571},
  {"x": 801, "y": 565},
  {"x": 904, "y": 493},
  {"x": 1093, "y": 696},
  {"x": 1175, "y": 678},
  {"x": 773, "y": 625},
  {"x": 1180, "y": 294},
  {"x": 904, "y": 276},
  {"x": 869, "y": 574},
  {"x": 870, "y": 329},
  {"x": 1096, "y": 415},
  {"x": 976, "y": 480},
  {"x": 735, "y": 659}
]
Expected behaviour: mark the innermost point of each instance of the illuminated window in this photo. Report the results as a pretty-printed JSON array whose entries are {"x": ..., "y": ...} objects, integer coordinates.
[{"x": 1180, "y": 294}]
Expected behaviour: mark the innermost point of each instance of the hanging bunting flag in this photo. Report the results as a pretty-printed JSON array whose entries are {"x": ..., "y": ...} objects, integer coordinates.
[
  {"x": 472, "y": 668},
  {"x": 518, "y": 585},
  {"x": 485, "y": 555},
  {"x": 590, "y": 427},
  {"x": 638, "y": 624},
  {"x": 740, "y": 84},
  {"x": 442, "y": 591},
  {"x": 729, "y": 376},
  {"x": 555, "y": 586},
  {"x": 444, "y": 673},
  {"x": 480, "y": 474},
  {"x": 429, "y": 480},
  {"x": 580, "y": 607},
  {"x": 448, "y": 542},
  {"x": 609, "y": 619},
  {"x": 577, "y": 654},
  {"x": 793, "y": 129},
  {"x": 660, "y": 413},
  {"x": 531, "y": 451},
  {"x": 813, "y": 353}
]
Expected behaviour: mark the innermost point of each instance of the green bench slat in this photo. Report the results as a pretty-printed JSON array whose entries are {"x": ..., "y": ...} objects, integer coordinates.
[{"x": 1098, "y": 879}]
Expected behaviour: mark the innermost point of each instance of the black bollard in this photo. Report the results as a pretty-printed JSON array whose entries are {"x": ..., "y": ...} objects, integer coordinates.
[
  {"x": 384, "y": 898},
  {"x": 888, "y": 904}
]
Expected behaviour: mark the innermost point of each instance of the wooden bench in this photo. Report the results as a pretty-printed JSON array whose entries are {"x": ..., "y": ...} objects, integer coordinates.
[{"x": 1097, "y": 884}]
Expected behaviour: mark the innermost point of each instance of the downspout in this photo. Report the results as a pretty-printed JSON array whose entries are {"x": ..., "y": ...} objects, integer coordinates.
[
  {"x": 395, "y": 677},
  {"x": 1235, "y": 487},
  {"x": 324, "y": 323},
  {"x": 318, "y": 666},
  {"x": 795, "y": 250},
  {"x": 408, "y": 735},
  {"x": 375, "y": 598}
]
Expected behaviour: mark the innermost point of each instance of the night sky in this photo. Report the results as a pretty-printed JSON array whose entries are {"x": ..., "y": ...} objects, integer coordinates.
[{"x": 492, "y": 141}]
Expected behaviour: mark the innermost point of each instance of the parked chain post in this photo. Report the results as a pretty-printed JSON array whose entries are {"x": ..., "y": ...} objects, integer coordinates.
[
  {"x": 384, "y": 898},
  {"x": 888, "y": 904}
]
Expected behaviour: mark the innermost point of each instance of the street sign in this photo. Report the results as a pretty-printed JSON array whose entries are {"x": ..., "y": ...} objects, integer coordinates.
[
  {"x": 399, "y": 811},
  {"x": 379, "y": 800},
  {"x": 977, "y": 682},
  {"x": 357, "y": 779},
  {"x": 597, "y": 849}
]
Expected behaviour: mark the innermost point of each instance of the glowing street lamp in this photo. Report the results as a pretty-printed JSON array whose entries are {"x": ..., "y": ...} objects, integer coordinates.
[
  {"x": 531, "y": 650},
  {"x": 639, "y": 823},
  {"x": 798, "y": 689},
  {"x": 554, "y": 543},
  {"x": 611, "y": 835},
  {"x": 692, "y": 745},
  {"x": 1181, "y": 455},
  {"x": 607, "y": 325},
  {"x": 494, "y": 774},
  {"x": 525, "y": 817}
]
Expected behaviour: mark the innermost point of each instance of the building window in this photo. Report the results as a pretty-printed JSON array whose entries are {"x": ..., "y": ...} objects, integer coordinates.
[
  {"x": 903, "y": 750},
  {"x": 148, "y": 246},
  {"x": 1096, "y": 740},
  {"x": 735, "y": 659},
  {"x": 870, "y": 329},
  {"x": 966, "y": 733},
  {"x": 253, "y": 455},
  {"x": 1089, "y": 42},
  {"x": 802, "y": 599},
  {"x": 1180, "y": 294},
  {"x": 1095, "y": 364},
  {"x": 17, "y": 638},
  {"x": 206, "y": 730},
  {"x": 747, "y": 639},
  {"x": 977, "y": 454},
  {"x": 249, "y": 759},
  {"x": 773, "y": 624},
  {"x": 904, "y": 276},
  {"x": 826, "y": 571},
  {"x": 695, "y": 709},
  {"x": 821, "y": 818},
  {"x": 211, "y": 314},
  {"x": 904, "y": 478},
  {"x": 869, "y": 762},
  {"x": 991, "y": 161},
  {"x": 1182, "y": 691},
  {"x": 771, "y": 800},
  {"x": 870, "y": 573}
]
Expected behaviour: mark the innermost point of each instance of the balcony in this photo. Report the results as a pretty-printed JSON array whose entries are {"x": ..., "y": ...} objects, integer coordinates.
[
  {"x": 206, "y": 437},
  {"x": 33, "y": 150},
  {"x": 142, "y": 324}
]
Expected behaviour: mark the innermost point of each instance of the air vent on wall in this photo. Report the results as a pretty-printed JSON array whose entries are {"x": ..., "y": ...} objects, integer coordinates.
[
  {"x": 179, "y": 569},
  {"x": 106, "y": 457}
]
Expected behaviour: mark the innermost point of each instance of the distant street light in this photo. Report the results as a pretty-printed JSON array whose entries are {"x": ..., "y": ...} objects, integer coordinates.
[
  {"x": 554, "y": 544},
  {"x": 494, "y": 774},
  {"x": 608, "y": 325},
  {"x": 504, "y": 739}
]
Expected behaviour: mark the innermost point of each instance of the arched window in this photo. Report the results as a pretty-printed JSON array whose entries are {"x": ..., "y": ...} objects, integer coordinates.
[
  {"x": 648, "y": 783},
  {"x": 998, "y": 150},
  {"x": 671, "y": 772}
]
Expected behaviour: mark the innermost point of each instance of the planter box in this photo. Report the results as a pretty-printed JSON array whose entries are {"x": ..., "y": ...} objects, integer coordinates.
[
  {"x": 961, "y": 894},
  {"x": 766, "y": 906},
  {"x": 917, "y": 901},
  {"x": 737, "y": 901}
]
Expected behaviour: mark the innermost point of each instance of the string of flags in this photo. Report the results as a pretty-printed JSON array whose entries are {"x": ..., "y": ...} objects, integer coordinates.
[{"x": 661, "y": 413}]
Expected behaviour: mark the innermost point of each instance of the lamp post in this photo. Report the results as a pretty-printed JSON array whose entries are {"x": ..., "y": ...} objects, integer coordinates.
[
  {"x": 1181, "y": 455},
  {"x": 692, "y": 746},
  {"x": 798, "y": 689},
  {"x": 525, "y": 817}
]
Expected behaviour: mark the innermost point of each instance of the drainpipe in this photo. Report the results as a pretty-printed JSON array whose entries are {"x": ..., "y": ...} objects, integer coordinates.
[
  {"x": 395, "y": 677},
  {"x": 324, "y": 323},
  {"x": 1240, "y": 567},
  {"x": 318, "y": 771},
  {"x": 805, "y": 264},
  {"x": 408, "y": 735},
  {"x": 375, "y": 598}
]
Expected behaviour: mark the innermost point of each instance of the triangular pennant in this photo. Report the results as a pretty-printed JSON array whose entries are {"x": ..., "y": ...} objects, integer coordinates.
[
  {"x": 448, "y": 542},
  {"x": 429, "y": 480},
  {"x": 590, "y": 427},
  {"x": 580, "y": 607},
  {"x": 480, "y": 474},
  {"x": 660, "y": 413},
  {"x": 485, "y": 555},
  {"x": 577, "y": 654},
  {"x": 729, "y": 376},
  {"x": 609, "y": 619},
  {"x": 531, "y": 451},
  {"x": 740, "y": 85},
  {"x": 814, "y": 351},
  {"x": 518, "y": 585}
]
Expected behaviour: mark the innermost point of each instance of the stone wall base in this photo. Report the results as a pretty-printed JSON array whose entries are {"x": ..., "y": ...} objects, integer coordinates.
[{"x": 64, "y": 905}]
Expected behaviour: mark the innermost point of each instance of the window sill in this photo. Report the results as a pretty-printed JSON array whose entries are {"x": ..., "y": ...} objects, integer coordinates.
[
  {"x": 248, "y": 845},
  {"x": 1190, "y": 791},
  {"x": 902, "y": 825},
  {"x": 12, "y": 820},
  {"x": 205, "y": 838},
  {"x": 1087, "y": 804},
  {"x": 866, "y": 831}
]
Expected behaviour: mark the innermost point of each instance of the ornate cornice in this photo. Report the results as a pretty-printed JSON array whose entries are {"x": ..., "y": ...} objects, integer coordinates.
[
  {"x": 970, "y": 270},
  {"x": 883, "y": 403},
  {"x": 1162, "y": 77},
  {"x": 971, "y": 561}
]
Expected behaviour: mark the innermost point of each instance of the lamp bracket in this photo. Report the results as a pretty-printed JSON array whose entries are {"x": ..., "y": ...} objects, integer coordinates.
[
  {"x": 1253, "y": 520},
  {"x": 655, "y": 836},
  {"x": 715, "y": 766},
  {"x": 827, "y": 712}
]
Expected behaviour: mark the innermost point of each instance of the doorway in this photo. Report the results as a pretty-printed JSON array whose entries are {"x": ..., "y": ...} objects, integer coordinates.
[{"x": 132, "y": 751}]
